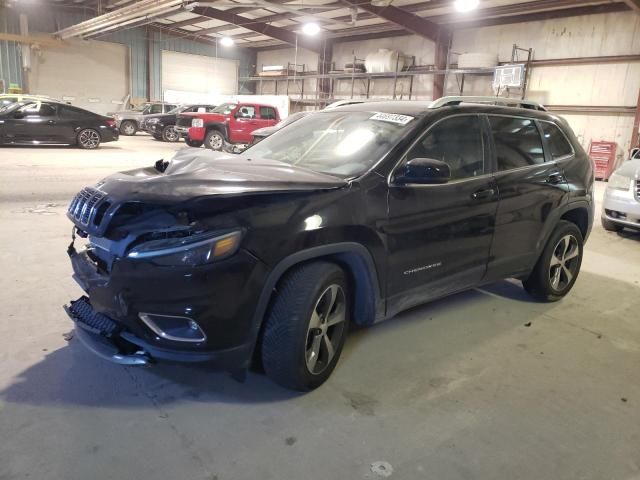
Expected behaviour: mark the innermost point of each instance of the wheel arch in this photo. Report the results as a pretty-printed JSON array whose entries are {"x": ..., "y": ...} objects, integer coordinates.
[
  {"x": 220, "y": 127},
  {"x": 361, "y": 271},
  {"x": 579, "y": 215}
]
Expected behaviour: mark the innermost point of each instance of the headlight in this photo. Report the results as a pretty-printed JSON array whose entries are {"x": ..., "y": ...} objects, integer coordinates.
[
  {"x": 619, "y": 182},
  {"x": 152, "y": 120},
  {"x": 197, "y": 122},
  {"x": 188, "y": 251}
]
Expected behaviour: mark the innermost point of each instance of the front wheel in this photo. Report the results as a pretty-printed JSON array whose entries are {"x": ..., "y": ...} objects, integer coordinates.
[
  {"x": 88, "y": 138},
  {"x": 307, "y": 326},
  {"x": 193, "y": 143},
  {"x": 214, "y": 140},
  {"x": 169, "y": 134},
  {"x": 559, "y": 265}
]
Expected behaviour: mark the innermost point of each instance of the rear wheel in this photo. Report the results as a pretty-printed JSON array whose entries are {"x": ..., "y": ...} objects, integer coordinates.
[
  {"x": 193, "y": 143},
  {"x": 128, "y": 127},
  {"x": 88, "y": 139},
  {"x": 169, "y": 134},
  {"x": 610, "y": 226},
  {"x": 214, "y": 140},
  {"x": 559, "y": 265},
  {"x": 307, "y": 326}
]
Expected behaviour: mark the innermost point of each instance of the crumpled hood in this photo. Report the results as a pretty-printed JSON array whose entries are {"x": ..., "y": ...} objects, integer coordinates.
[{"x": 194, "y": 173}]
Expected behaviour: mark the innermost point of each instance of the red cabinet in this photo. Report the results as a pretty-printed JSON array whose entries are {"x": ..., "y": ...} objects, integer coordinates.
[{"x": 603, "y": 155}]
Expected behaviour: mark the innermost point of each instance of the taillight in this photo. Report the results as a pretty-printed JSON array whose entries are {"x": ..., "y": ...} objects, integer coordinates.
[{"x": 111, "y": 123}]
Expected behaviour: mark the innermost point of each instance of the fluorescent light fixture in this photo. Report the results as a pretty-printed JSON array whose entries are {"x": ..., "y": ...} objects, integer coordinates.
[
  {"x": 226, "y": 41},
  {"x": 310, "y": 28},
  {"x": 466, "y": 5}
]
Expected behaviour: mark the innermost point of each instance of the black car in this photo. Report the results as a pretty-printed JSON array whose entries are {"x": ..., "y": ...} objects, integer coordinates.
[
  {"x": 350, "y": 215},
  {"x": 49, "y": 123},
  {"x": 161, "y": 126}
]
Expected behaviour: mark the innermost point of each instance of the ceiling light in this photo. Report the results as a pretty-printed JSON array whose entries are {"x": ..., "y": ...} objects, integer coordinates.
[
  {"x": 226, "y": 41},
  {"x": 466, "y": 5},
  {"x": 310, "y": 28}
]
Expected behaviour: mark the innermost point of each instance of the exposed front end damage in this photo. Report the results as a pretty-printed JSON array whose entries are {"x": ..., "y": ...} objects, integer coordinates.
[{"x": 162, "y": 257}]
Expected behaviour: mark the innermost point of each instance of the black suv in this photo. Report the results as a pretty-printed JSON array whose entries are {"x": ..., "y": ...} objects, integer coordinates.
[
  {"x": 162, "y": 125},
  {"x": 350, "y": 215}
]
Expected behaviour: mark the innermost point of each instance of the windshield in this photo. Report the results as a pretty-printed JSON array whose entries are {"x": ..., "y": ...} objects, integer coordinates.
[
  {"x": 225, "y": 108},
  {"x": 178, "y": 109},
  {"x": 344, "y": 144},
  {"x": 10, "y": 107},
  {"x": 290, "y": 119},
  {"x": 140, "y": 108}
]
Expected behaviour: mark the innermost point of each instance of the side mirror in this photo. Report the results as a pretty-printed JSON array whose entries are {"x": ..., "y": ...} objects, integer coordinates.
[
  {"x": 18, "y": 115},
  {"x": 423, "y": 171}
]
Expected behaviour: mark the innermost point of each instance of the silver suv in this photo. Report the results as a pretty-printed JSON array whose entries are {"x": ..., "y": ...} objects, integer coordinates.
[
  {"x": 621, "y": 206},
  {"x": 130, "y": 121}
]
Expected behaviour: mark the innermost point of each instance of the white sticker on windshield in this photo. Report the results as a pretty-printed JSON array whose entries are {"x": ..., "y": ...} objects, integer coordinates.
[{"x": 392, "y": 117}]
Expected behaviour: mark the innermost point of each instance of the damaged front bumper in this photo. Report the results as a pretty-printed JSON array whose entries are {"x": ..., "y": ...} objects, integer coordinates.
[
  {"x": 108, "y": 319},
  {"x": 100, "y": 335}
]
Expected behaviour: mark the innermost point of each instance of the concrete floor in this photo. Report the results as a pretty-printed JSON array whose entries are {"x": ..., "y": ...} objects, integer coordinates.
[{"x": 458, "y": 389}]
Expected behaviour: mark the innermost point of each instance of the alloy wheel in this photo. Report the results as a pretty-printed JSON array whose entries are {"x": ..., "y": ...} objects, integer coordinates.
[
  {"x": 215, "y": 142},
  {"x": 89, "y": 138},
  {"x": 128, "y": 128},
  {"x": 171, "y": 135},
  {"x": 326, "y": 328},
  {"x": 564, "y": 262}
]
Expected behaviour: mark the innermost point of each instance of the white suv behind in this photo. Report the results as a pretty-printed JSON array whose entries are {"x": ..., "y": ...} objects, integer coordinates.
[{"x": 621, "y": 206}]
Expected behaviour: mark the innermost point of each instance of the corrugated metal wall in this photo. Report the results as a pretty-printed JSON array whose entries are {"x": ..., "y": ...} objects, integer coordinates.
[
  {"x": 10, "y": 52},
  {"x": 134, "y": 38}
]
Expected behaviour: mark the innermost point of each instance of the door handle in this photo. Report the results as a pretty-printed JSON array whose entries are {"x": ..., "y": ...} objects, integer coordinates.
[
  {"x": 483, "y": 194},
  {"x": 555, "y": 178}
]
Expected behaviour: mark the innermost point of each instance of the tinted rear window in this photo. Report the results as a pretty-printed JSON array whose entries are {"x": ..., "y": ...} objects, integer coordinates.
[
  {"x": 517, "y": 141},
  {"x": 557, "y": 142}
]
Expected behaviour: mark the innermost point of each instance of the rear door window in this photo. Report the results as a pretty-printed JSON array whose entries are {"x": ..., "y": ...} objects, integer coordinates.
[
  {"x": 517, "y": 142},
  {"x": 155, "y": 108},
  {"x": 557, "y": 143},
  {"x": 267, "y": 113}
]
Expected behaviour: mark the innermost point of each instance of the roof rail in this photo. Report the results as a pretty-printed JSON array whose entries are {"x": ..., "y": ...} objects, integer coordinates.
[{"x": 511, "y": 102}]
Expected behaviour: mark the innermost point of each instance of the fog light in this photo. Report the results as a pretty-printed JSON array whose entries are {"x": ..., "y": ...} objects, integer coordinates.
[{"x": 174, "y": 328}]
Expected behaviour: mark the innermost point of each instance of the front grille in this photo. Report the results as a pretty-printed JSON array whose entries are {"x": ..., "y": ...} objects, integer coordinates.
[
  {"x": 638, "y": 190},
  {"x": 184, "y": 121},
  {"x": 84, "y": 206}
]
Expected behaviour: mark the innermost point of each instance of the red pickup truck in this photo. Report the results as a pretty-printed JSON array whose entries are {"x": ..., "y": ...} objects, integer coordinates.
[{"x": 228, "y": 123}]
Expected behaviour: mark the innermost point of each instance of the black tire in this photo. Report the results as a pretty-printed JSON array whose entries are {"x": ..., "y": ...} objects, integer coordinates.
[
  {"x": 214, "y": 140},
  {"x": 88, "y": 139},
  {"x": 557, "y": 258},
  {"x": 170, "y": 135},
  {"x": 610, "y": 226},
  {"x": 193, "y": 143},
  {"x": 289, "y": 339},
  {"x": 128, "y": 128}
]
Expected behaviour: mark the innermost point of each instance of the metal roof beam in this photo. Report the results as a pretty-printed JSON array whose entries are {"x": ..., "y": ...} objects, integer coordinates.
[
  {"x": 261, "y": 28},
  {"x": 633, "y": 5},
  {"x": 408, "y": 21}
]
